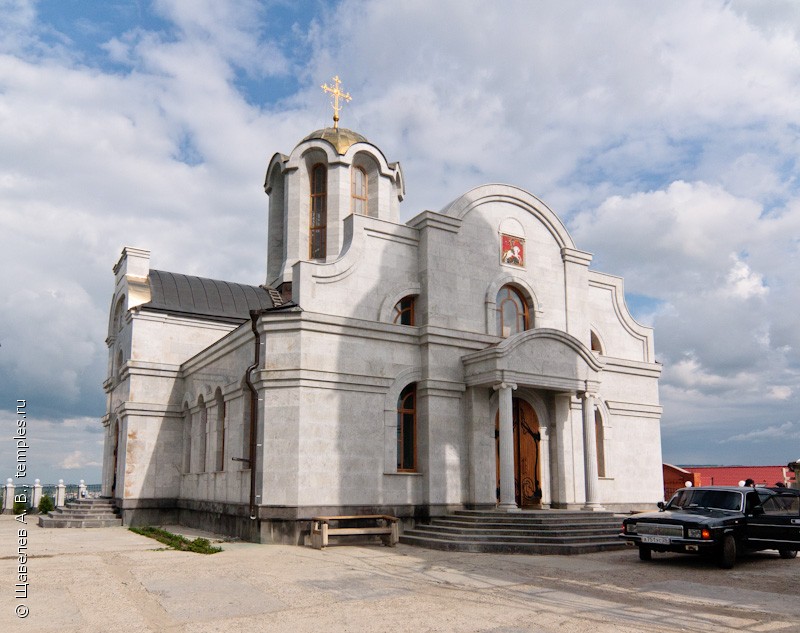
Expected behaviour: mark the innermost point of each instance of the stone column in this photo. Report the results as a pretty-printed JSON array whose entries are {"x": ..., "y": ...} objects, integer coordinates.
[
  {"x": 508, "y": 500},
  {"x": 544, "y": 464},
  {"x": 61, "y": 494},
  {"x": 37, "y": 494},
  {"x": 82, "y": 489},
  {"x": 8, "y": 499},
  {"x": 590, "y": 453}
]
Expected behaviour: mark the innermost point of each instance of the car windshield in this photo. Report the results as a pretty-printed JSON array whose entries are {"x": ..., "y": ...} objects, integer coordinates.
[{"x": 697, "y": 498}]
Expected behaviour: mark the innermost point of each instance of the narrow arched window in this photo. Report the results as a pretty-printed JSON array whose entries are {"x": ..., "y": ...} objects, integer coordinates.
[
  {"x": 219, "y": 461},
  {"x": 407, "y": 429},
  {"x": 119, "y": 311},
  {"x": 201, "y": 436},
  {"x": 596, "y": 345},
  {"x": 187, "y": 439},
  {"x": 120, "y": 363},
  {"x": 512, "y": 312},
  {"x": 404, "y": 311},
  {"x": 318, "y": 223},
  {"x": 599, "y": 436},
  {"x": 359, "y": 190}
]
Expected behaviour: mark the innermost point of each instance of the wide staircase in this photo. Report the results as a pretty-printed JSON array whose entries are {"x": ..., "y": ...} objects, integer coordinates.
[
  {"x": 83, "y": 513},
  {"x": 526, "y": 532}
]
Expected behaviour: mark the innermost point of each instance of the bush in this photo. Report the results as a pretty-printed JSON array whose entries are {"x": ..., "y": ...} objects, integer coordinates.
[
  {"x": 46, "y": 504},
  {"x": 20, "y": 507}
]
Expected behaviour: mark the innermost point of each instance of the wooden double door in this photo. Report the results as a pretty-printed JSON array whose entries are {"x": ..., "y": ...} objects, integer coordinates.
[{"x": 527, "y": 459}]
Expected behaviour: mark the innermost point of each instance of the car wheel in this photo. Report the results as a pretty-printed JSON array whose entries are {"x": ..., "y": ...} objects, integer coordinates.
[
  {"x": 787, "y": 553},
  {"x": 727, "y": 555},
  {"x": 645, "y": 553}
]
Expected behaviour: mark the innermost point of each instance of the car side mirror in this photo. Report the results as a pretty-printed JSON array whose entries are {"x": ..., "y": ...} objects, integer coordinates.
[
  {"x": 757, "y": 511},
  {"x": 661, "y": 505}
]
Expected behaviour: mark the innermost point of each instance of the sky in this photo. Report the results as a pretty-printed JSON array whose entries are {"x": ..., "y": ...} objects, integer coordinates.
[{"x": 665, "y": 135}]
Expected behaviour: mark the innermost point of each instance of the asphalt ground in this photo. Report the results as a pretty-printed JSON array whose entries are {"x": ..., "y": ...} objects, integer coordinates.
[{"x": 112, "y": 580}]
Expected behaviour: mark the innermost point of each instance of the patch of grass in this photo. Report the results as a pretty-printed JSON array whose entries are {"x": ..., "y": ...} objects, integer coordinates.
[{"x": 176, "y": 541}]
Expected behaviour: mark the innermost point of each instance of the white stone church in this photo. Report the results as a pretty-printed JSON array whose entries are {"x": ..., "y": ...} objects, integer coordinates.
[{"x": 468, "y": 358}]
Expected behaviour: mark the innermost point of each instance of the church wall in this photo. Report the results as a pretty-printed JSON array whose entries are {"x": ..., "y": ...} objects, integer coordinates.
[
  {"x": 459, "y": 264},
  {"x": 164, "y": 338},
  {"x": 324, "y": 382},
  {"x": 619, "y": 334},
  {"x": 381, "y": 257},
  {"x": 220, "y": 367},
  {"x": 631, "y": 452}
]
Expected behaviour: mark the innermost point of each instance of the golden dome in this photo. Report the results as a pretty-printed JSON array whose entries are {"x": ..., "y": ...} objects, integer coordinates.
[{"x": 341, "y": 138}]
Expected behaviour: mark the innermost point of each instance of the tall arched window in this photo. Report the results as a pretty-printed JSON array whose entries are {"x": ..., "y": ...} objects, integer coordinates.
[
  {"x": 512, "y": 312},
  {"x": 201, "y": 435},
  {"x": 599, "y": 436},
  {"x": 359, "y": 190},
  {"x": 119, "y": 311},
  {"x": 187, "y": 439},
  {"x": 119, "y": 364},
  {"x": 318, "y": 223},
  {"x": 219, "y": 461},
  {"x": 407, "y": 429}
]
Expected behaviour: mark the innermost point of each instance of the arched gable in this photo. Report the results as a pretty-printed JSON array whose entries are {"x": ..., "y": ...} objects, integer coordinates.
[
  {"x": 508, "y": 194},
  {"x": 543, "y": 358}
]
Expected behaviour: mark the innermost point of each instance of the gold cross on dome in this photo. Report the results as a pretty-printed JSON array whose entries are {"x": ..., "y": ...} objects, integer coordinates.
[{"x": 337, "y": 93}]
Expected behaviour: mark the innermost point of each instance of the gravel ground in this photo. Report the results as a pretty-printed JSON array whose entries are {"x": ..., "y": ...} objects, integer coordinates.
[{"x": 97, "y": 580}]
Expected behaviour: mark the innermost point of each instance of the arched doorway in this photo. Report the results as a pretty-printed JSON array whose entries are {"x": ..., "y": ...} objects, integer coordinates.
[{"x": 527, "y": 461}]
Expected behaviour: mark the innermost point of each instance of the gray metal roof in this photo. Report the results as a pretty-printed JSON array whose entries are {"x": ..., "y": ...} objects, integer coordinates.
[{"x": 198, "y": 296}]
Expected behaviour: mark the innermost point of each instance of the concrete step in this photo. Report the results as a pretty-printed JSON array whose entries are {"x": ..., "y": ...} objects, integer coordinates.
[
  {"x": 561, "y": 549},
  {"x": 612, "y": 524},
  {"x": 58, "y": 522},
  {"x": 533, "y": 518},
  {"x": 534, "y": 532},
  {"x": 92, "y": 512},
  {"x": 494, "y": 537},
  {"x": 521, "y": 531},
  {"x": 83, "y": 513}
]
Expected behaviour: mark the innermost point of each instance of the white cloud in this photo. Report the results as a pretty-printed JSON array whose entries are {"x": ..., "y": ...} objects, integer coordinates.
[
  {"x": 743, "y": 283},
  {"x": 783, "y": 432},
  {"x": 76, "y": 460},
  {"x": 781, "y": 392}
]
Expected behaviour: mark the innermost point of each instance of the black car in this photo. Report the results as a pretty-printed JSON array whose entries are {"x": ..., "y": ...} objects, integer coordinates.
[{"x": 720, "y": 521}]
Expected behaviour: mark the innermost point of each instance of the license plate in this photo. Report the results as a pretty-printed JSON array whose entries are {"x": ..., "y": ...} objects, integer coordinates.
[{"x": 658, "y": 540}]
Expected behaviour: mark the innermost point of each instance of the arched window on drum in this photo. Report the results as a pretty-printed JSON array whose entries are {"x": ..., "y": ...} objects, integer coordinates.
[{"x": 512, "y": 312}]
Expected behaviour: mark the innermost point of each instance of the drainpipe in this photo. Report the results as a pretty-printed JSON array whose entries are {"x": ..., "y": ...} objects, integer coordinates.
[{"x": 254, "y": 314}]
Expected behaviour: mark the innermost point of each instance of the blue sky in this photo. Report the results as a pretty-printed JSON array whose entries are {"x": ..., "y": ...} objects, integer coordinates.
[{"x": 665, "y": 135}]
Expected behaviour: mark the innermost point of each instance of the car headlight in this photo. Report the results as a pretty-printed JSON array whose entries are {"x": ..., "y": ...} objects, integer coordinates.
[
  {"x": 692, "y": 533},
  {"x": 630, "y": 528}
]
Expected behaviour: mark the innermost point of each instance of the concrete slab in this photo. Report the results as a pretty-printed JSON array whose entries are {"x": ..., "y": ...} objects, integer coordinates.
[{"x": 97, "y": 580}]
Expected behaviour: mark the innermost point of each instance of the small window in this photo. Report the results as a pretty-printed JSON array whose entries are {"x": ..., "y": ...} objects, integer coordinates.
[
  {"x": 359, "y": 190},
  {"x": 407, "y": 429},
  {"x": 512, "y": 312},
  {"x": 404, "y": 311},
  {"x": 319, "y": 212}
]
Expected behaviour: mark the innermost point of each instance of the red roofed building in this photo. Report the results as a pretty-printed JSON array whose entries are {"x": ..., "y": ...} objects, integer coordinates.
[{"x": 725, "y": 476}]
